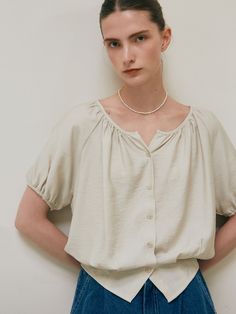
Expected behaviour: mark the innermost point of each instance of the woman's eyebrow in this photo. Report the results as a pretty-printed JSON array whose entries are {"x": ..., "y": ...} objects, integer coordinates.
[{"x": 132, "y": 35}]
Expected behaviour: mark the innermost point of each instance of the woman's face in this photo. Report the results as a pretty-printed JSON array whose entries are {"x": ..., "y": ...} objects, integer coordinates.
[{"x": 133, "y": 41}]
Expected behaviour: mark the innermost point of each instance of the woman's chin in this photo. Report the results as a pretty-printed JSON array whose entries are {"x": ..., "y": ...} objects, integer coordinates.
[{"x": 134, "y": 81}]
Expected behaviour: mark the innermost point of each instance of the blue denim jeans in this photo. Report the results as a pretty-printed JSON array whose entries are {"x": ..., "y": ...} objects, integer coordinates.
[{"x": 92, "y": 298}]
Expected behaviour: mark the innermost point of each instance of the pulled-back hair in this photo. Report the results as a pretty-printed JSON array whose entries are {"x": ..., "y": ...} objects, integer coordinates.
[{"x": 151, "y": 6}]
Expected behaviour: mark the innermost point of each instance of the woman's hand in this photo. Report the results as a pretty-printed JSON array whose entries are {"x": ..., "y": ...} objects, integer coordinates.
[{"x": 225, "y": 242}]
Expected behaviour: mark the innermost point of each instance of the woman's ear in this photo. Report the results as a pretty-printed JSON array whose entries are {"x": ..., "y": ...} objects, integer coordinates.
[{"x": 166, "y": 38}]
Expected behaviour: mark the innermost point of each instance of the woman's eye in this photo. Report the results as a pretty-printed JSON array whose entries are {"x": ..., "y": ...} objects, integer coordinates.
[
  {"x": 141, "y": 36},
  {"x": 113, "y": 42}
]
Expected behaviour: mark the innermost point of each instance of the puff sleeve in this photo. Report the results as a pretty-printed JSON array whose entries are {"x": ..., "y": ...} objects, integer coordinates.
[
  {"x": 224, "y": 170},
  {"x": 52, "y": 174}
]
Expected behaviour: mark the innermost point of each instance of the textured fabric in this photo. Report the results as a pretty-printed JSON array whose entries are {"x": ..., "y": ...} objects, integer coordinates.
[
  {"x": 90, "y": 297},
  {"x": 138, "y": 211}
]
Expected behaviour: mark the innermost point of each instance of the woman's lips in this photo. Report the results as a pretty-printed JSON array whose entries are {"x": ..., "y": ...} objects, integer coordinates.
[{"x": 132, "y": 71}]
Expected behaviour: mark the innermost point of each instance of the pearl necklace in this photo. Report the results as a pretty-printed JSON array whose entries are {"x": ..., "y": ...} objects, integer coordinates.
[{"x": 142, "y": 112}]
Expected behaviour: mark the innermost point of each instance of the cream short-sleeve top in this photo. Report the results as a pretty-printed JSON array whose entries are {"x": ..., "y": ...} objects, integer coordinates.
[{"x": 138, "y": 211}]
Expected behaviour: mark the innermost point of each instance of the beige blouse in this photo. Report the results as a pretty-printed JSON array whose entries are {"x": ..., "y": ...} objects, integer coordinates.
[{"x": 138, "y": 211}]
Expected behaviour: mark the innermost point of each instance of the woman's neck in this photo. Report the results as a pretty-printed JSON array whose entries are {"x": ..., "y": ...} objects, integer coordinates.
[{"x": 143, "y": 98}]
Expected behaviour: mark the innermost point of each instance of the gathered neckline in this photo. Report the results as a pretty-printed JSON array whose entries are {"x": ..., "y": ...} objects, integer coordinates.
[{"x": 136, "y": 132}]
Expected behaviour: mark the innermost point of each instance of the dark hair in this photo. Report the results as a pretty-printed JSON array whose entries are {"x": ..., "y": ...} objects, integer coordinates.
[{"x": 152, "y": 6}]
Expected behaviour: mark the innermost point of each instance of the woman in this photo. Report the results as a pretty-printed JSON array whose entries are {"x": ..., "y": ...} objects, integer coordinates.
[{"x": 145, "y": 176}]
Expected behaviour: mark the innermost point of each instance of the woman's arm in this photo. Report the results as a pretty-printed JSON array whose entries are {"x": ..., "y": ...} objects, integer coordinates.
[
  {"x": 225, "y": 242},
  {"x": 32, "y": 221}
]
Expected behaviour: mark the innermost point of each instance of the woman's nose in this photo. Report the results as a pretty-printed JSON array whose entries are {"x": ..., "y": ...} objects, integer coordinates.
[{"x": 128, "y": 55}]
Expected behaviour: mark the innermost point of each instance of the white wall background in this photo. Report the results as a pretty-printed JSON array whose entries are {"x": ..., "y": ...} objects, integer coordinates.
[{"x": 51, "y": 57}]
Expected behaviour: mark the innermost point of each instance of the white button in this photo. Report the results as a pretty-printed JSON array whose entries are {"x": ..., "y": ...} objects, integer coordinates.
[
  {"x": 149, "y": 216},
  {"x": 149, "y": 244}
]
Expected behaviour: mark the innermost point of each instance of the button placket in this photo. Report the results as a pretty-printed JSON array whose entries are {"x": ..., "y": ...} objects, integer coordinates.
[
  {"x": 150, "y": 188},
  {"x": 150, "y": 164},
  {"x": 149, "y": 216}
]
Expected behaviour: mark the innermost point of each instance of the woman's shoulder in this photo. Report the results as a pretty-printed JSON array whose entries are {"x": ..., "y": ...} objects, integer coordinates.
[
  {"x": 207, "y": 116},
  {"x": 80, "y": 111},
  {"x": 77, "y": 120},
  {"x": 77, "y": 115},
  {"x": 111, "y": 105},
  {"x": 208, "y": 121}
]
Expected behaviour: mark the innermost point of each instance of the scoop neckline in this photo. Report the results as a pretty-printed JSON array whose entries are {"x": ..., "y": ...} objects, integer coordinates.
[{"x": 136, "y": 132}]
